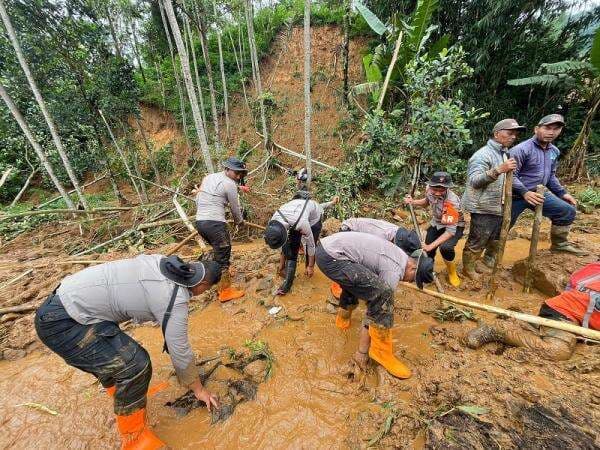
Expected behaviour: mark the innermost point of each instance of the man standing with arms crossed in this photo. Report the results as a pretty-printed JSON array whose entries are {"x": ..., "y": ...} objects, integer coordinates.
[{"x": 216, "y": 191}]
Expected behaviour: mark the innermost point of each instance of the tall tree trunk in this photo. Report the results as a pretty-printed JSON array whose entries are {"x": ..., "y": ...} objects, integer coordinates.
[
  {"x": 136, "y": 51},
  {"x": 209, "y": 75},
  {"x": 187, "y": 76},
  {"x": 176, "y": 73},
  {"x": 307, "y": 105},
  {"x": 40, "y": 101},
  {"x": 36, "y": 146},
  {"x": 346, "y": 49},
  {"x": 223, "y": 78},
  {"x": 160, "y": 82},
  {"x": 113, "y": 31},
  {"x": 123, "y": 158},
  {"x": 188, "y": 31},
  {"x": 256, "y": 71},
  {"x": 132, "y": 151},
  {"x": 239, "y": 67}
]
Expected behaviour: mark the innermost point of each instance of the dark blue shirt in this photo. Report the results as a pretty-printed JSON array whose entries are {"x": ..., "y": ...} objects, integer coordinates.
[{"x": 535, "y": 165}]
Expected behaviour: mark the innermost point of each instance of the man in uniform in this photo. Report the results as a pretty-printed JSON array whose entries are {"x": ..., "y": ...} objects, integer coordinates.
[
  {"x": 369, "y": 268},
  {"x": 80, "y": 322},
  {"x": 216, "y": 191}
]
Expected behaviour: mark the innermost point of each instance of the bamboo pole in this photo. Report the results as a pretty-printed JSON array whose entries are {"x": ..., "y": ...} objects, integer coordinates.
[
  {"x": 65, "y": 211},
  {"x": 535, "y": 236},
  {"x": 298, "y": 155},
  {"x": 173, "y": 191},
  {"x": 182, "y": 243},
  {"x": 187, "y": 222},
  {"x": 5, "y": 175},
  {"x": 388, "y": 75},
  {"x": 103, "y": 244},
  {"x": 536, "y": 320},
  {"x": 503, "y": 234},
  {"x": 14, "y": 280},
  {"x": 58, "y": 197}
]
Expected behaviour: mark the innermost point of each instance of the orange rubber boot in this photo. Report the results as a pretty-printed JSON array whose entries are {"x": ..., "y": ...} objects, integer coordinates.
[
  {"x": 161, "y": 386},
  {"x": 343, "y": 318},
  {"x": 136, "y": 434},
  {"x": 336, "y": 290},
  {"x": 381, "y": 351},
  {"x": 111, "y": 390},
  {"x": 226, "y": 291}
]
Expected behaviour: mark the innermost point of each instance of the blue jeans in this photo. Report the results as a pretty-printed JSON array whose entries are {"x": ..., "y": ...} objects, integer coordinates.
[
  {"x": 557, "y": 210},
  {"x": 101, "y": 349}
]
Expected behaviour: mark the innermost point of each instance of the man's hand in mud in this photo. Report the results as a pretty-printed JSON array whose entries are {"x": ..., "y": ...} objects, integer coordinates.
[
  {"x": 204, "y": 395},
  {"x": 570, "y": 199},
  {"x": 310, "y": 271},
  {"x": 533, "y": 198}
]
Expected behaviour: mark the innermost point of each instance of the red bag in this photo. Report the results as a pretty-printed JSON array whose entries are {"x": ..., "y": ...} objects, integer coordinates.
[{"x": 587, "y": 278}]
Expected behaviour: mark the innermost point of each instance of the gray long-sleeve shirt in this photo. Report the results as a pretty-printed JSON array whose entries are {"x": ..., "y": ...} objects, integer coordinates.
[
  {"x": 376, "y": 227},
  {"x": 134, "y": 289},
  {"x": 291, "y": 211},
  {"x": 216, "y": 191},
  {"x": 377, "y": 254}
]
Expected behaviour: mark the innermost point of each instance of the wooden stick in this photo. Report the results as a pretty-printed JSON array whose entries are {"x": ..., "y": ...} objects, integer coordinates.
[
  {"x": 506, "y": 214},
  {"x": 559, "y": 325},
  {"x": 535, "y": 236},
  {"x": 103, "y": 244},
  {"x": 14, "y": 280},
  {"x": 58, "y": 197},
  {"x": 182, "y": 243},
  {"x": 388, "y": 75},
  {"x": 66, "y": 211},
  {"x": 145, "y": 226},
  {"x": 298, "y": 155},
  {"x": 5, "y": 175},
  {"x": 187, "y": 222},
  {"x": 17, "y": 309},
  {"x": 24, "y": 188},
  {"x": 173, "y": 191}
]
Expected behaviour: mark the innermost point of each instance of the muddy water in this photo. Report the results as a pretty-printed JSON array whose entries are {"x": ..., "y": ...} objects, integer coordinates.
[{"x": 308, "y": 402}]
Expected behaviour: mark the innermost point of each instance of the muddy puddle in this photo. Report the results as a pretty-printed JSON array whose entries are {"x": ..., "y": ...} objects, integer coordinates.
[{"x": 309, "y": 401}]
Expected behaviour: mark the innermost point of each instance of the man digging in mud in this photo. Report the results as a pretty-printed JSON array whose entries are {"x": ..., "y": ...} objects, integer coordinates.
[
  {"x": 484, "y": 195},
  {"x": 79, "y": 321},
  {"x": 368, "y": 267},
  {"x": 579, "y": 303},
  {"x": 405, "y": 239},
  {"x": 447, "y": 221},
  {"x": 216, "y": 191},
  {"x": 536, "y": 164},
  {"x": 285, "y": 230}
]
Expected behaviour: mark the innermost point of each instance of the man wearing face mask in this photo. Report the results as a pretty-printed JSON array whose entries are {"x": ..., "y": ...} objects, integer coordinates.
[
  {"x": 217, "y": 191},
  {"x": 447, "y": 221},
  {"x": 536, "y": 164},
  {"x": 484, "y": 195}
]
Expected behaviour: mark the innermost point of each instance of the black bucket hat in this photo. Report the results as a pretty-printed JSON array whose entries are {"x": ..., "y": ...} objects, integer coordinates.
[
  {"x": 275, "y": 234},
  {"x": 424, "y": 272},
  {"x": 441, "y": 179},
  {"x": 180, "y": 272},
  {"x": 407, "y": 240},
  {"x": 235, "y": 164}
]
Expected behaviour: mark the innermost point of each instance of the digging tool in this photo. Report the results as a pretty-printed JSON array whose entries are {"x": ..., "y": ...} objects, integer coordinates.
[
  {"x": 535, "y": 236},
  {"x": 413, "y": 216},
  {"x": 536, "y": 320},
  {"x": 503, "y": 234}
]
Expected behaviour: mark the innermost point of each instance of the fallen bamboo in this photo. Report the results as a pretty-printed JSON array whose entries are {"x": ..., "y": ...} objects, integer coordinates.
[
  {"x": 17, "y": 309},
  {"x": 173, "y": 191},
  {"x": 187, "y": 222},
  {"x": 66, "y": 211},
  {"x": 145, "y": 226},
  {"x": 298, "y": 155},
  {"x": 536, "y": 320},
  {"x": 182, "y": 243},
  {"x": 58, "y": 197},
  {"x": 535, "y": 236},
  {"x": 14, "y": 280},
  {"x": 506, "y": 216},
  {"x": 103, "y": 244}
]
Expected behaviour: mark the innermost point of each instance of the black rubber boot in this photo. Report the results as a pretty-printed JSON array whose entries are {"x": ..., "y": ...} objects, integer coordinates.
[{"x": 290, "y": 273}]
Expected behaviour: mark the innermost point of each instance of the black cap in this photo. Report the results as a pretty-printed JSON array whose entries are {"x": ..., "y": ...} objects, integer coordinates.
[
  {"x": 275, "y": 234},
  {"x": 552, "y": 118},
  {"x": 407, "y": 240},
  {"x": 441, "y": 179},
  {"x": 234, "y": 164},
  {"x": 424, "y": 273},
  {"x": 180, "y": 272}
]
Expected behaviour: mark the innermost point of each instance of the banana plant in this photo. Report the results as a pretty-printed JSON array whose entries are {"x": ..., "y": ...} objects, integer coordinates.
[{"x": 416, "y": 32}]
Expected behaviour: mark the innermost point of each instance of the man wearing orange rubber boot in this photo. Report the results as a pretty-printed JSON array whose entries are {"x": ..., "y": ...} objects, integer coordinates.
[
  {"x": 216, "y": 191},
  {"x": 368, "y": 267},
  {"x": 79, "y": 321}
]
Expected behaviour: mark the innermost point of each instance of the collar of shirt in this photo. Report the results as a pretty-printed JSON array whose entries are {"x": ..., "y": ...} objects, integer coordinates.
[
  {"x": 537, "y": 144},
  {"x": 497, "y": 146}
]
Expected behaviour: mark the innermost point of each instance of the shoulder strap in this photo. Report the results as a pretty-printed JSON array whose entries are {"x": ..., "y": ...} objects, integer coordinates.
[
  {"x": 167, "y": 315},
  {"x": 293, "y": 227},
  {"x": 581, "y": 283},
  {"x": 592, "y": 306}
]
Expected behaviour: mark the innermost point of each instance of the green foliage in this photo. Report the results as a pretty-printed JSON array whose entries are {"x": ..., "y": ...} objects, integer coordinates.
[
  {"x": 261, "y": 349},
  {"x": 372, "y": 20},
  {"x": 590, "y": 197},
  {"x": 595, "y": 51}
]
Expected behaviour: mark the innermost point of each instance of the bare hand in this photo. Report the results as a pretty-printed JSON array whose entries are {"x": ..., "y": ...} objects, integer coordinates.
[
  {"x": 244, "y": 189},
  {"x": 533, "y": 198},
  {"x": 207, "y": 397},
  {"x": 335, "y": 200},
  {"x": 507, "y": 166},
  {"x": 408, "y": 200},
  {"x": 570, "y": 199},
  {"x": 310, "y": 271},
  {"x": 196, "y": 189},
  {"x": 428, "y": 247}
]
